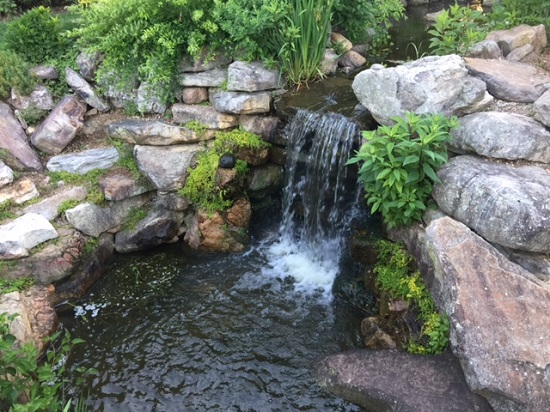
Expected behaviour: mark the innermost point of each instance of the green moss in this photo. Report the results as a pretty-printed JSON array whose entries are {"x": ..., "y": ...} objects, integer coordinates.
[
  {"x": 66, "y": 205},
  {"x": 126, "y": 158},
  {"x": 238, "y": 138},
  {"x": 90, "y": 180},
  {"x": 197, "y": 127},
  {"x": 90, "y": 246},
  {"x": 6, "y": 210},
  {"x": 8, "y": 285},
  {"x": 136, "y": 215},
  {"x": 396, "y": 278}
]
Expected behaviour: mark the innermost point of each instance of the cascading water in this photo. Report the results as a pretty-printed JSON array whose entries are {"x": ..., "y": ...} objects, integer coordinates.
[{"x": 318, "y": 204}]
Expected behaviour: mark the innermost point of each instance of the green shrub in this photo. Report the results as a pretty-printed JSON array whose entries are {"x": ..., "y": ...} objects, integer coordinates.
[
  {"x": 145, "y": 36},
  {"x": 456, "y": 30},
  {"x": 23, "y": 377},
  {"x": 396, "y": 279},
  {"x": 510, "y": 13},
  {"x": 14, "y": 72},
  {"x": 35, "y": 36},
  {"x": 7, "y": 7},
  {"x": 367, "y": 20},
  {"x": 399, "y": 164}
]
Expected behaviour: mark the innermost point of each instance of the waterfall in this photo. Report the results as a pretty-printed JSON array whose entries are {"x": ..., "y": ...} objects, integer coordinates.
[{"x": 318, "y": 200}]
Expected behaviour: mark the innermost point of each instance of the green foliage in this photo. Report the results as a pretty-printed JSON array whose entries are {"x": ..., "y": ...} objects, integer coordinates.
[
  {"x": 33, "y": 116},
  {"x": 66, "y": 205},
  {"x": 36, "y": 36},
  {"x": 145, "y": 36},
  {"x": 237, "y": 138},
  {"x": 197, "y": 127},
  {"x": 7, "y": 7},
  {"x": 399, "y": 165},
  {"x": 90, "y": 246},
  {"x": 456, "y": 30},
  {"x": 14, "y": 72},
  {"x": 90, "y": 181},
  {"x": 23, "y": 377},
  {"x": 398, "y": 281},
  {"x": 302, "y": 39},
  {"x": 126, "y": 158},
  {"x": 367, "y": 20},
  {"x": 6, "y": 210},
  {"x": 9, "y": 285},
  {"x": 509, "y": 13}
]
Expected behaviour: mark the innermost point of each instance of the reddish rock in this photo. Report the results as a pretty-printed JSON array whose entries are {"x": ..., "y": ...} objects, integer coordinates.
[
  {"x": 240, "y": 213},
  {"x": 120, "y": 184},
  {"x": 194, "y": 95}
]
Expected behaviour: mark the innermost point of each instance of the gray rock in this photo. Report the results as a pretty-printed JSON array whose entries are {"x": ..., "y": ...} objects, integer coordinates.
[
  {"x": 166, "y": 166},
  {"x": 498, "y": 312},
  {"x": 194, "y": 95},
  {"x": 503, "y": 136},
  {"x": 45, "y": 72},
  {"x": 173, "y": 201},
  {"x": 351, "y": 59},
  {"x": 40, "y": 98},
  {"x": 520, "y": 53},
  {"x": 329, "y": 65},
  {"x": 6, "y": 174},
  {"x": 240, "y": 103},
  {"x": 184, "y": 113},
  {"x": 121, "y": 97},
  {"x": 84, "y": 90},
  {"x": 435, "y": 84},
  {"x": 486, "y": 49},
  {"x": 49, "y": 207},
  {"x": 210, "y": 78},
  {"x": 534, "y": 263},
  {"x": 14, "y": 140},
  {"x": 264, "y": 180},
  {"x": 155, "y": 133},
  {"x": 252, "y": 77},
  {"x": 519, "y": 36},
  {"x": 263, "y": 126},
  {"x": 93, "y": 220},
  {"x": 509, "y": 80},
  {"x": 207, "y": 60},
  {"x": 60, "y": 127},
  {"x": 20, "y": 192},
  {"x": 24, "y": 233},
  {"x": 149, "y": 99},
  {"x": 88, "y": 63},
  {"x": 391, "y": 380},
  {"x": 503, "y": 204},
  {"x": 120, "y": 185},
  {"x": 542, "y": 108},
  {"x": 84, "y": 162},
  {"x": 159, "y": 226}
]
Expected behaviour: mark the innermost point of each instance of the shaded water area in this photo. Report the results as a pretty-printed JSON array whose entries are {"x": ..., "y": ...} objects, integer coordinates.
[{"x": 177, "y": 330}]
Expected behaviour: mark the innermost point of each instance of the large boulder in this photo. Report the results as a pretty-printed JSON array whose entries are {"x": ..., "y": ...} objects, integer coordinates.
[
  {"x": 498, "y": 312},
  {"x": 210, "y": 78},
  {"x": 435, "y": 84},
  {"x": 503, "y": 204},
  {"x": 391, "y": 380},
  {"x": 60, "y": 127},
  {"x": 14, "y": 140},
  {"x": 155, "y": 133},
  {"x": 166, "y": 166},
  {"x": 240, "y": 103},
  {"x": 508, "y": 80},
  {"x": 503, "y": 136},
  {"x": 49, "y": 207},
  {"x": 84, "y": 162}
]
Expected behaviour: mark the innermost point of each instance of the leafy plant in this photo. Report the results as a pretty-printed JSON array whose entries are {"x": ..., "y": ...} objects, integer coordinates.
[
  {"x": 456, "y": 30},
  {"x": 35, "y": 36},
  {"x": 17, "y": 285},
  {"x": 510, "y": 13},
  {"x": 399, "y": 164},
  {"x": 6, "y": 210},
  {"x": 33, "y": 116},
  {"x": 14, "y": 73},
  {"x": 23, "y": 378},
  {"x": 7, "y": 7},
  {"x": 398, "y": 281}
]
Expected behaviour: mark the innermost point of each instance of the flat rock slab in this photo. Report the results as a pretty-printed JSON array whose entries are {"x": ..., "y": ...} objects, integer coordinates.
[
  {"x": 240, "y": 103},
  {"x": 60, "y": 127},
  {"x": 166, "y": 166},
  {"x": 14, "y": 140},
  {"x": 500, "y": 318},
  {"x": 434, "y": 84},
  {"x": 49, "y": 207},
  {"x": 84, "y": 90},
  {"x": 503, "y": 204},
  {"x": 509, "y": 80},
  {"x": 502, "y": 136},
  {"x": 24, "y": 233},
  {"x": 252, "y": 77},
  {"x": 210, "y": 78},
  {"x": 84, "y": 162},
  {"x": 184, "y": 113},
  {"x": 155, "y": 133},
  {"x": 390, "y": 380}
]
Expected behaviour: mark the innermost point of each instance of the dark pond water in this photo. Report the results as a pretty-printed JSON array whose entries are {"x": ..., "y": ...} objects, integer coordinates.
[{"x": 173, "y": 330}]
